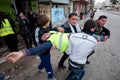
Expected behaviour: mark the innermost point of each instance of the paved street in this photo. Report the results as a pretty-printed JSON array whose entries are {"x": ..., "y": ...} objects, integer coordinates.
[{"x": 105, "y": 63}]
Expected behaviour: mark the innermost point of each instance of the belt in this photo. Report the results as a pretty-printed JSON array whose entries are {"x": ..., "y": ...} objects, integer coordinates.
[
  {"x": 79, "y": 66},
  {"x": 76, "y": 67}
]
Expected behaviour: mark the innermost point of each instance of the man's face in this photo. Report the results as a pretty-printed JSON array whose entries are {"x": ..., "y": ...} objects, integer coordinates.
[
  {"x": 73, "y": 20},
  {"x": 102, "y": 21}
]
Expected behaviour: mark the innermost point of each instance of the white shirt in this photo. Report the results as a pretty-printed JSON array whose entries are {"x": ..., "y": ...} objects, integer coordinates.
[{"x": 80, "y": 46}]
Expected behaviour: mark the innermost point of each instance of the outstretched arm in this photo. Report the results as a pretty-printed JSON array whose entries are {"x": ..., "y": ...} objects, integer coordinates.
[
  {"x": 15, "y": 56},
  {"x": 38, "y": 50}
]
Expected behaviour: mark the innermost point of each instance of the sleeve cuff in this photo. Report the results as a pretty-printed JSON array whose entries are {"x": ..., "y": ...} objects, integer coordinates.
[{"x": 26, "y": 52}]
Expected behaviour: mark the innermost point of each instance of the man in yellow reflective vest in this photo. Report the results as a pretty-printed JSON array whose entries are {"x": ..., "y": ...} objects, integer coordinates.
[{"x": 7, "y": 33}]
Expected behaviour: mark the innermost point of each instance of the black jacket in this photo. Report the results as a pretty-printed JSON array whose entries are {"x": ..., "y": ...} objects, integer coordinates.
[
  {"x": 101, "y": 30},
  {"x": 66, "y": 27}
]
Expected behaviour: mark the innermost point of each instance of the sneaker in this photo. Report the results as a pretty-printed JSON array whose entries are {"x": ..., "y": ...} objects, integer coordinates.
[
  {"x": 87, "y": 62},
  {"x": 41, "y": 70},
  {"x": 4, "y": 77},
  {"x": 52, "y": 79},
  {"x": 7, "y": 77},
  {"x": 62, "y": 67}
]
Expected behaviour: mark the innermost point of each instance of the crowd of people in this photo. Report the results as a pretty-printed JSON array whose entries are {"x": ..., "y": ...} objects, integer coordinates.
[
  {"x": 76, "y": 44},
  {"x": 26, "y": 21}
]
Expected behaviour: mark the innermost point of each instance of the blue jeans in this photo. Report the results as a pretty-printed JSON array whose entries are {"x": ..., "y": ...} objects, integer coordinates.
[
  {"x": 45, "y": 59},
  {"x": 76, "y": 74},
  {"x": 46, "y": 63},
  {"x": 40, "y": 49}
]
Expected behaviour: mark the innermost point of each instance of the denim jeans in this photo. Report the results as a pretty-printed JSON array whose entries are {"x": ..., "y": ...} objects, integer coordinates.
[
  {"x": 46, "y": 63},
  {"x": 40, "y": 49},
  {"x": 76, "y": 74}
]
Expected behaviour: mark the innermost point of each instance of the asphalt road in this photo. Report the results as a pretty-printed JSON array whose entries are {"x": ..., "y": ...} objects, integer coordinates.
[{"x": 105, "y": 63}]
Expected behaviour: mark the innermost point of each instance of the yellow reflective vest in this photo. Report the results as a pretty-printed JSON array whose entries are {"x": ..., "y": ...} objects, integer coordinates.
[
  {"x": 6, "y": 30},
  {"x": 60, "y": 40}
]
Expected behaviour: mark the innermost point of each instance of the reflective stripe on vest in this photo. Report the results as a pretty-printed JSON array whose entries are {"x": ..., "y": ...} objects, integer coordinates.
[
  {"x": 60, "y": 40},
  {"x": 6, "y": 30}
]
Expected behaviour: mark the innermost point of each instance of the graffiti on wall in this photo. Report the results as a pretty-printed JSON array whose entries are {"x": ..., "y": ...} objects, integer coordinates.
[{"x": 57, "y": 14}]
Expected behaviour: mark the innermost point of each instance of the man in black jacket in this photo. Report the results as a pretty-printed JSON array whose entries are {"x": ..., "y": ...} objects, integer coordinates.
[
  {"x": 101, "y": 29},
  {"x": 70, "y": 26}
]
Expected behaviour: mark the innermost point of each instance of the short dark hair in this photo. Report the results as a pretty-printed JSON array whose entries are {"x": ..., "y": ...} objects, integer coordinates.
[
  {"x": 43, "y": 20},
  {"x": 102, "y": 16},
  {"x": 72, "y": 14},
  {"x": 88, "y": 25}
]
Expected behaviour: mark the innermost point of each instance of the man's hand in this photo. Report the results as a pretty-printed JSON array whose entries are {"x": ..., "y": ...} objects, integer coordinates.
[
  {"x": 45, "y": 36},
  {"x": 105, "y": 38},
  {"x": 54, "y": 46},
  {"x": 60, "y": 29},
  {"x": 98, "y": 39},
  {"x": 14, "y": 56}
]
